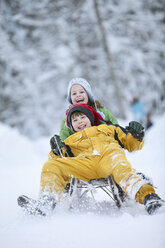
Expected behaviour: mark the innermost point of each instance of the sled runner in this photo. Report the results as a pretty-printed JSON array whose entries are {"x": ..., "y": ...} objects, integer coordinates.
[
  {"x": 75, "y": 189},
  {"x": 108, "y": 185}
]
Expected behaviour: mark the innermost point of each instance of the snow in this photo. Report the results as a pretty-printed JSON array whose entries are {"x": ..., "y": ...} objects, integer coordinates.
[
  {"x": 47, "y": 43},
  {"x": 21, "y": 161}
]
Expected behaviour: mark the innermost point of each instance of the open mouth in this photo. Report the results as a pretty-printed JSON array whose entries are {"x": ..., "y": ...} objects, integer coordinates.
[
  {"x": 82, "y": 127},
  {"x": 79, "y": 101}
]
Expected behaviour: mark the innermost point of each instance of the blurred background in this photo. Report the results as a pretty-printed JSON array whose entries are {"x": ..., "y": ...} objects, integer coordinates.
[{"x": 117, "y": 45}]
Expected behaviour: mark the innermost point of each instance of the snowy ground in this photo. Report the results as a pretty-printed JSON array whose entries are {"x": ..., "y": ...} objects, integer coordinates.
[{"x": 21, "y": 161}]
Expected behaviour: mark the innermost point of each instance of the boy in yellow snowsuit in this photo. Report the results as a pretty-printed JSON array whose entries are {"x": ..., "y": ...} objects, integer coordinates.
[{"x": 97, "y": 153}]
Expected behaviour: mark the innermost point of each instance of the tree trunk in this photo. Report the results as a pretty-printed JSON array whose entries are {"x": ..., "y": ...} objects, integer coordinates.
[{"x": 109, "y": 59}]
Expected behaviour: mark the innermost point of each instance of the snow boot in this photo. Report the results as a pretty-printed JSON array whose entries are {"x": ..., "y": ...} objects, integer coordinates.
[
  {"x": 44, "y": 206},
  {"x": 153, "y": 203}
]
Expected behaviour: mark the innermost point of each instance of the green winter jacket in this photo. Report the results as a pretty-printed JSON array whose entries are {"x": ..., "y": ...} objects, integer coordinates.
[{"x": 65, "y": 131}]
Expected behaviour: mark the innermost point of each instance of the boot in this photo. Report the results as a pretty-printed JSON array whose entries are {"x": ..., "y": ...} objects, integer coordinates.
[
  {"x": 46, "y": 204},
  {"x": 43, "y": 206},
  {"x": 152, "y": 203}
]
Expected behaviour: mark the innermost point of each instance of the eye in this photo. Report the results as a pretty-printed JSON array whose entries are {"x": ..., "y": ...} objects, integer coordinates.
[{"x": 74, "y": 120}]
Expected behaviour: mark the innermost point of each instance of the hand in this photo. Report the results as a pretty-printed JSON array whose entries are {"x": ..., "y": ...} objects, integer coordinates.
[
  {"x": 56, "y": 144},
  {"x": 136, "y": 129}
]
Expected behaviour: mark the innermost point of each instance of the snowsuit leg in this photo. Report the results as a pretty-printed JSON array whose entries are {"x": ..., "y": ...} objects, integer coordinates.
[
  {"x": 56, "y": 173},
  {"x": 113, "y": 161}
]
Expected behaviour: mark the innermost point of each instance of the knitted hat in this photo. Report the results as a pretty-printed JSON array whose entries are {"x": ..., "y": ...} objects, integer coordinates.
[
  {"x": 83, "y": 82},
  {"x": 93, "y": 116}
]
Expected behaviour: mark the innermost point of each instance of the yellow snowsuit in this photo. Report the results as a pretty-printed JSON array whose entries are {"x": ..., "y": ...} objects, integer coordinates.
[{"x": 97, "y": 153}]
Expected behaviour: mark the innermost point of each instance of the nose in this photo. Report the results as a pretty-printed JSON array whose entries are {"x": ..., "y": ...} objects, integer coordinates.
[
  {"x": 78, "y": 95},
  {"x": 80, "y": 120}
]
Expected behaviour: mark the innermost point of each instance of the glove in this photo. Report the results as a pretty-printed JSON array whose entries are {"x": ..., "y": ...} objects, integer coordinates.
[
  {"x": 56, "y": 145},
  {"x": 136, "y": 129}
]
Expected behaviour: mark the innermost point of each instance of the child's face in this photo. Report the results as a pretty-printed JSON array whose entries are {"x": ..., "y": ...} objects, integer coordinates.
[
  {"x": 80, "y": 122},
  {"x": 78, "y": 95}
]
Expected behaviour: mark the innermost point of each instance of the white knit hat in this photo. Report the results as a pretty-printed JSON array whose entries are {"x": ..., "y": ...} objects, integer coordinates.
[{"x": 84, "y": 83}]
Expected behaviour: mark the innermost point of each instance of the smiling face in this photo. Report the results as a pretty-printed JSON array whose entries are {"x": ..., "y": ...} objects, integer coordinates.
[
  {"x": 80, "y": 121},
  {"x": 78, "y": 94}
]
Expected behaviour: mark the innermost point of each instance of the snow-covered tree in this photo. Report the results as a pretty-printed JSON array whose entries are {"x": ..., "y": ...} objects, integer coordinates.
[{"x": 45, "y": 43}]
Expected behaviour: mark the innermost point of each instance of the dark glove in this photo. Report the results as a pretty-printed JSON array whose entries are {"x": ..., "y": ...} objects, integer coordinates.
[
  {"x": 56, "y": 145},
  {"x": 136, "y": 129}
]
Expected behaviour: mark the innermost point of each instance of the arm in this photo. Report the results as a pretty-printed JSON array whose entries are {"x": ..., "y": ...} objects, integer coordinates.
[
  {"x": 59, "y": 148},
  {"x": 65, "y": 131},
  {"x": 131, "y": 137},
  {"x": 108, "y": 115}
]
